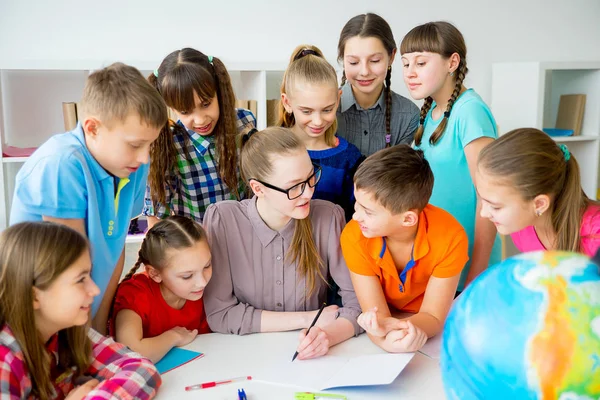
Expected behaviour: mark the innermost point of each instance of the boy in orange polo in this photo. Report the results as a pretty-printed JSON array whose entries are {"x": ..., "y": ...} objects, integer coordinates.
[{"x": 401, "y": 251}]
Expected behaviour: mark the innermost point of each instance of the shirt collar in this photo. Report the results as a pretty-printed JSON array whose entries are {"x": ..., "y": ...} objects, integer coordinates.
[
  {"x": 52, "y": 344},
  {"x": 377, "y": 247},
  {"x": 348, "y": 99},
  {"x": 421, "y": 240},
  {"x": 99, "y": 172},
  {"x": 201, "y": 143},
  {"x": 262, "y": 230}
]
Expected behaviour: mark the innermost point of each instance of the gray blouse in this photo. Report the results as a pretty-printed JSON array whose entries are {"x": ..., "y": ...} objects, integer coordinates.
[
  {"x": 366, "y": 128},
  {"x": 251, "y": 272}
]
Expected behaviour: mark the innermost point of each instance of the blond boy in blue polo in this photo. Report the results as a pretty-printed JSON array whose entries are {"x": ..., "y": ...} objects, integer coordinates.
[{"x": 93, "y": 178}]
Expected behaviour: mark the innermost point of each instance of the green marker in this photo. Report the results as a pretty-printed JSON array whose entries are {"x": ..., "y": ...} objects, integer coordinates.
[{"x": 314, "y": 396}]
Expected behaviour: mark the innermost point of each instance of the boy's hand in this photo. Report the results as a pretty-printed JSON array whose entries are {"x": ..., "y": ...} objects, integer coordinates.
[
  {"x": 81, "y": 391},
  {"x": 405, "y": 340},
  {"x": 376, "y": 326},
  {"x": 183, "y": 336},
  {"x": 313, "y": 345}
]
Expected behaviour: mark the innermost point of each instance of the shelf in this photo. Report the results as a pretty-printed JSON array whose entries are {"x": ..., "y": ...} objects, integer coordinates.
[
  {"x": 582, "y": 65},
  {"x": 139, "y": 238},
  {"x": 7, "y": 160},
  {"x": 582, "y": 138}
]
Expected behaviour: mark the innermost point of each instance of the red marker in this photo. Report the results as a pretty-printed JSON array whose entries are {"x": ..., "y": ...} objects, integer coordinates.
[{"x": 206, "y": 385}]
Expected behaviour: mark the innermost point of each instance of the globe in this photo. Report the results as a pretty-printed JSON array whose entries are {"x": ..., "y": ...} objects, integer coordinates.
[{"x": 527, "y": 328}]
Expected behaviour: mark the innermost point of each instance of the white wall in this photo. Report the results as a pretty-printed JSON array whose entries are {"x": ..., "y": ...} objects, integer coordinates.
[{"x": 267, "y": 31}]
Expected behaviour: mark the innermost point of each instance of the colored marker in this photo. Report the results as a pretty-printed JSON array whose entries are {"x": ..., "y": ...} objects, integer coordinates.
[{"x": 207, "y": 385}]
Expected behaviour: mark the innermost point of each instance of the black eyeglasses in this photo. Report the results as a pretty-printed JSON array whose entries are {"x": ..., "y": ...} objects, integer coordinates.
[{"x": 296, "y": 191}]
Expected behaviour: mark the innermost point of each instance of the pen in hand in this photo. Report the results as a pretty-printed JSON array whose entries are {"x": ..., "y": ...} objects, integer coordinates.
[{"x": 311, "y": 325}]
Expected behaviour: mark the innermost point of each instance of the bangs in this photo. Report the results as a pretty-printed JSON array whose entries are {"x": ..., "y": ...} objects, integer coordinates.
[
  {"x": 178, "y": 87},
  {"x": 423, "y": 38}
]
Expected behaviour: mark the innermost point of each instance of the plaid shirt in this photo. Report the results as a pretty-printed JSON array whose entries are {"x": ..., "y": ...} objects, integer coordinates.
[
  {"x": 122, "y": 373},
  {"x": 197, "y": 183}
]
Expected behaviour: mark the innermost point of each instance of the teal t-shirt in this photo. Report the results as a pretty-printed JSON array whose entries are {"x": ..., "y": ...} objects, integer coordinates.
[{"x": 453, "y": 189}]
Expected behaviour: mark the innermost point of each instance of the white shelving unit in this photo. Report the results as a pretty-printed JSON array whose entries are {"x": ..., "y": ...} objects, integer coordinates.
[
  {"x": 527, "y": 95},
  {"x": 32, "y": 93}
]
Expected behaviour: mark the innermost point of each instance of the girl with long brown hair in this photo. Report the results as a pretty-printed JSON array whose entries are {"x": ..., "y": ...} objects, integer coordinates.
[
  {"x": 530, "y": 188},
  {"x": 273, "y": 254},
  {"x": 371, "y": 115},
  {"x": 47, "y": 348},
  {"x": 194, "y": 162}
]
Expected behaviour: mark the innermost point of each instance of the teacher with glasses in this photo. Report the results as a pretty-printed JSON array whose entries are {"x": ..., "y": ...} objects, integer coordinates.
[{"x": 273, "y": 254}]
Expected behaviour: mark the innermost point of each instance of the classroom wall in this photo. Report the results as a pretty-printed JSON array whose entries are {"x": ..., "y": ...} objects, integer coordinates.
[{"x": 267, "y": 31}]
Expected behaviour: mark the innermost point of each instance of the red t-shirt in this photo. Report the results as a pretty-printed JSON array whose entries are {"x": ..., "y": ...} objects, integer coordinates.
[{"x": 142, "y": 295}]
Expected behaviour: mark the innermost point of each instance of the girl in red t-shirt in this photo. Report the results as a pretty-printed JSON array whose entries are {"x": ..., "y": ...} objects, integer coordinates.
[{"x": 162, "y": 307}]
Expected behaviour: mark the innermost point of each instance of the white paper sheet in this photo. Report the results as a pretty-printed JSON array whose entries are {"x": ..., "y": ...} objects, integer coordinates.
[
  {"x": 331, "y": 371},
  {"x": 433, "y": 347}
]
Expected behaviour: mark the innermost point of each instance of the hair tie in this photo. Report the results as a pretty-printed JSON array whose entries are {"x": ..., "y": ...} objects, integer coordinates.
[
  {"x": 156, "y": 73},
  {"x": 247, "y": 136},
  {"x": 566, "y": 152},
  {"x": 210, "y": 58},
  {"x": 446, "y": 114},
  {"x": 304, "y": 53}
]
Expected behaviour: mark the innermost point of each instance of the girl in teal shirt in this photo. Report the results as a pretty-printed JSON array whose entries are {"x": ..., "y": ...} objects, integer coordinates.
[{"x": 455, "y": 124}]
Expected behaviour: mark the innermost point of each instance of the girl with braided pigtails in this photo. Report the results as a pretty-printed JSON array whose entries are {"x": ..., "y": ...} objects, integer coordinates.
[
  {"x": 371, "y": 116},
  {"x": 455, "y": 124},
  {"x": 159, "y": 303}
]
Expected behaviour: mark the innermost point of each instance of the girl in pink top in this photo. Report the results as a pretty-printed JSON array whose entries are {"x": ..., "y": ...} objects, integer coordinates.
[{"x": 530, "y": 188}]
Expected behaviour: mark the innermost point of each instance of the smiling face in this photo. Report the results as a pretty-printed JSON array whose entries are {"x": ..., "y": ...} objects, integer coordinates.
[
  {"x": 366, "y": 63},
  {"x": 425, "y": 73},
  {"x": 67, "y": 301},
  {"x": 375, "y": 220},
  {"x": 203, "y": 118},
  {"x": 121, "y": 148},
  {"x": 314, "y": 107},
  {"x": 186, "y": 274},
  {"x": 504, "y": 206}
]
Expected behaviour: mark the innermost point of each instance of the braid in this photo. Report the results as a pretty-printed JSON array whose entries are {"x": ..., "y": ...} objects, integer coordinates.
[
  {"x": 424, "y": 110},
  {"x": 343, "y": 77},
  {"x": 388, "y": 107},
  {"x": 439, "y": 131},
  {"x": 134, "y": 269},
  {"x": 129, "y": 275}
]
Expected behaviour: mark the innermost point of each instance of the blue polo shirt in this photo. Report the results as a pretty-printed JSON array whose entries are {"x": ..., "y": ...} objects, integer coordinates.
[{"x": 63, "y": 180}]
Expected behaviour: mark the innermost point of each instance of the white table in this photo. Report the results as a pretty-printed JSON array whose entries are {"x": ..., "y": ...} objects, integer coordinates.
[{"x": 228, "y": 356}]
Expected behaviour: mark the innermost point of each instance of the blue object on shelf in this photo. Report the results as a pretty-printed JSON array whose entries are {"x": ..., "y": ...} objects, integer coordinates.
[{"x": 558, "y": 132}]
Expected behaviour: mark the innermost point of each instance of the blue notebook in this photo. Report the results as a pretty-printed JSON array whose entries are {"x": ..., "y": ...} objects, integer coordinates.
[{"x": 176, "y": 357}]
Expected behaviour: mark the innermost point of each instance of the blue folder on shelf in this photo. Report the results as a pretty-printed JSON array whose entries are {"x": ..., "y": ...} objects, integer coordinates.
[
  {"x": 558, "y": 132},
  {"x": 176, "y": 357}
]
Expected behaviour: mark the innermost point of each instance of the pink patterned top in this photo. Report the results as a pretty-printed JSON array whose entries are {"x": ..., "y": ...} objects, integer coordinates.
[
  {"x": 527, "y": 239},
  {"x": 121, "y": 372}
]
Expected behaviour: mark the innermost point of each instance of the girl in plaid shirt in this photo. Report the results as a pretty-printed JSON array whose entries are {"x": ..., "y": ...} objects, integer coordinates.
[
  {"x": 47, "y": 350},
  {"x": 194, "y": 162}
]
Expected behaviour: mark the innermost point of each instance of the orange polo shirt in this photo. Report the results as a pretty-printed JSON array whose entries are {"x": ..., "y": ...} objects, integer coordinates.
[{"x": 440, "y": 249}]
